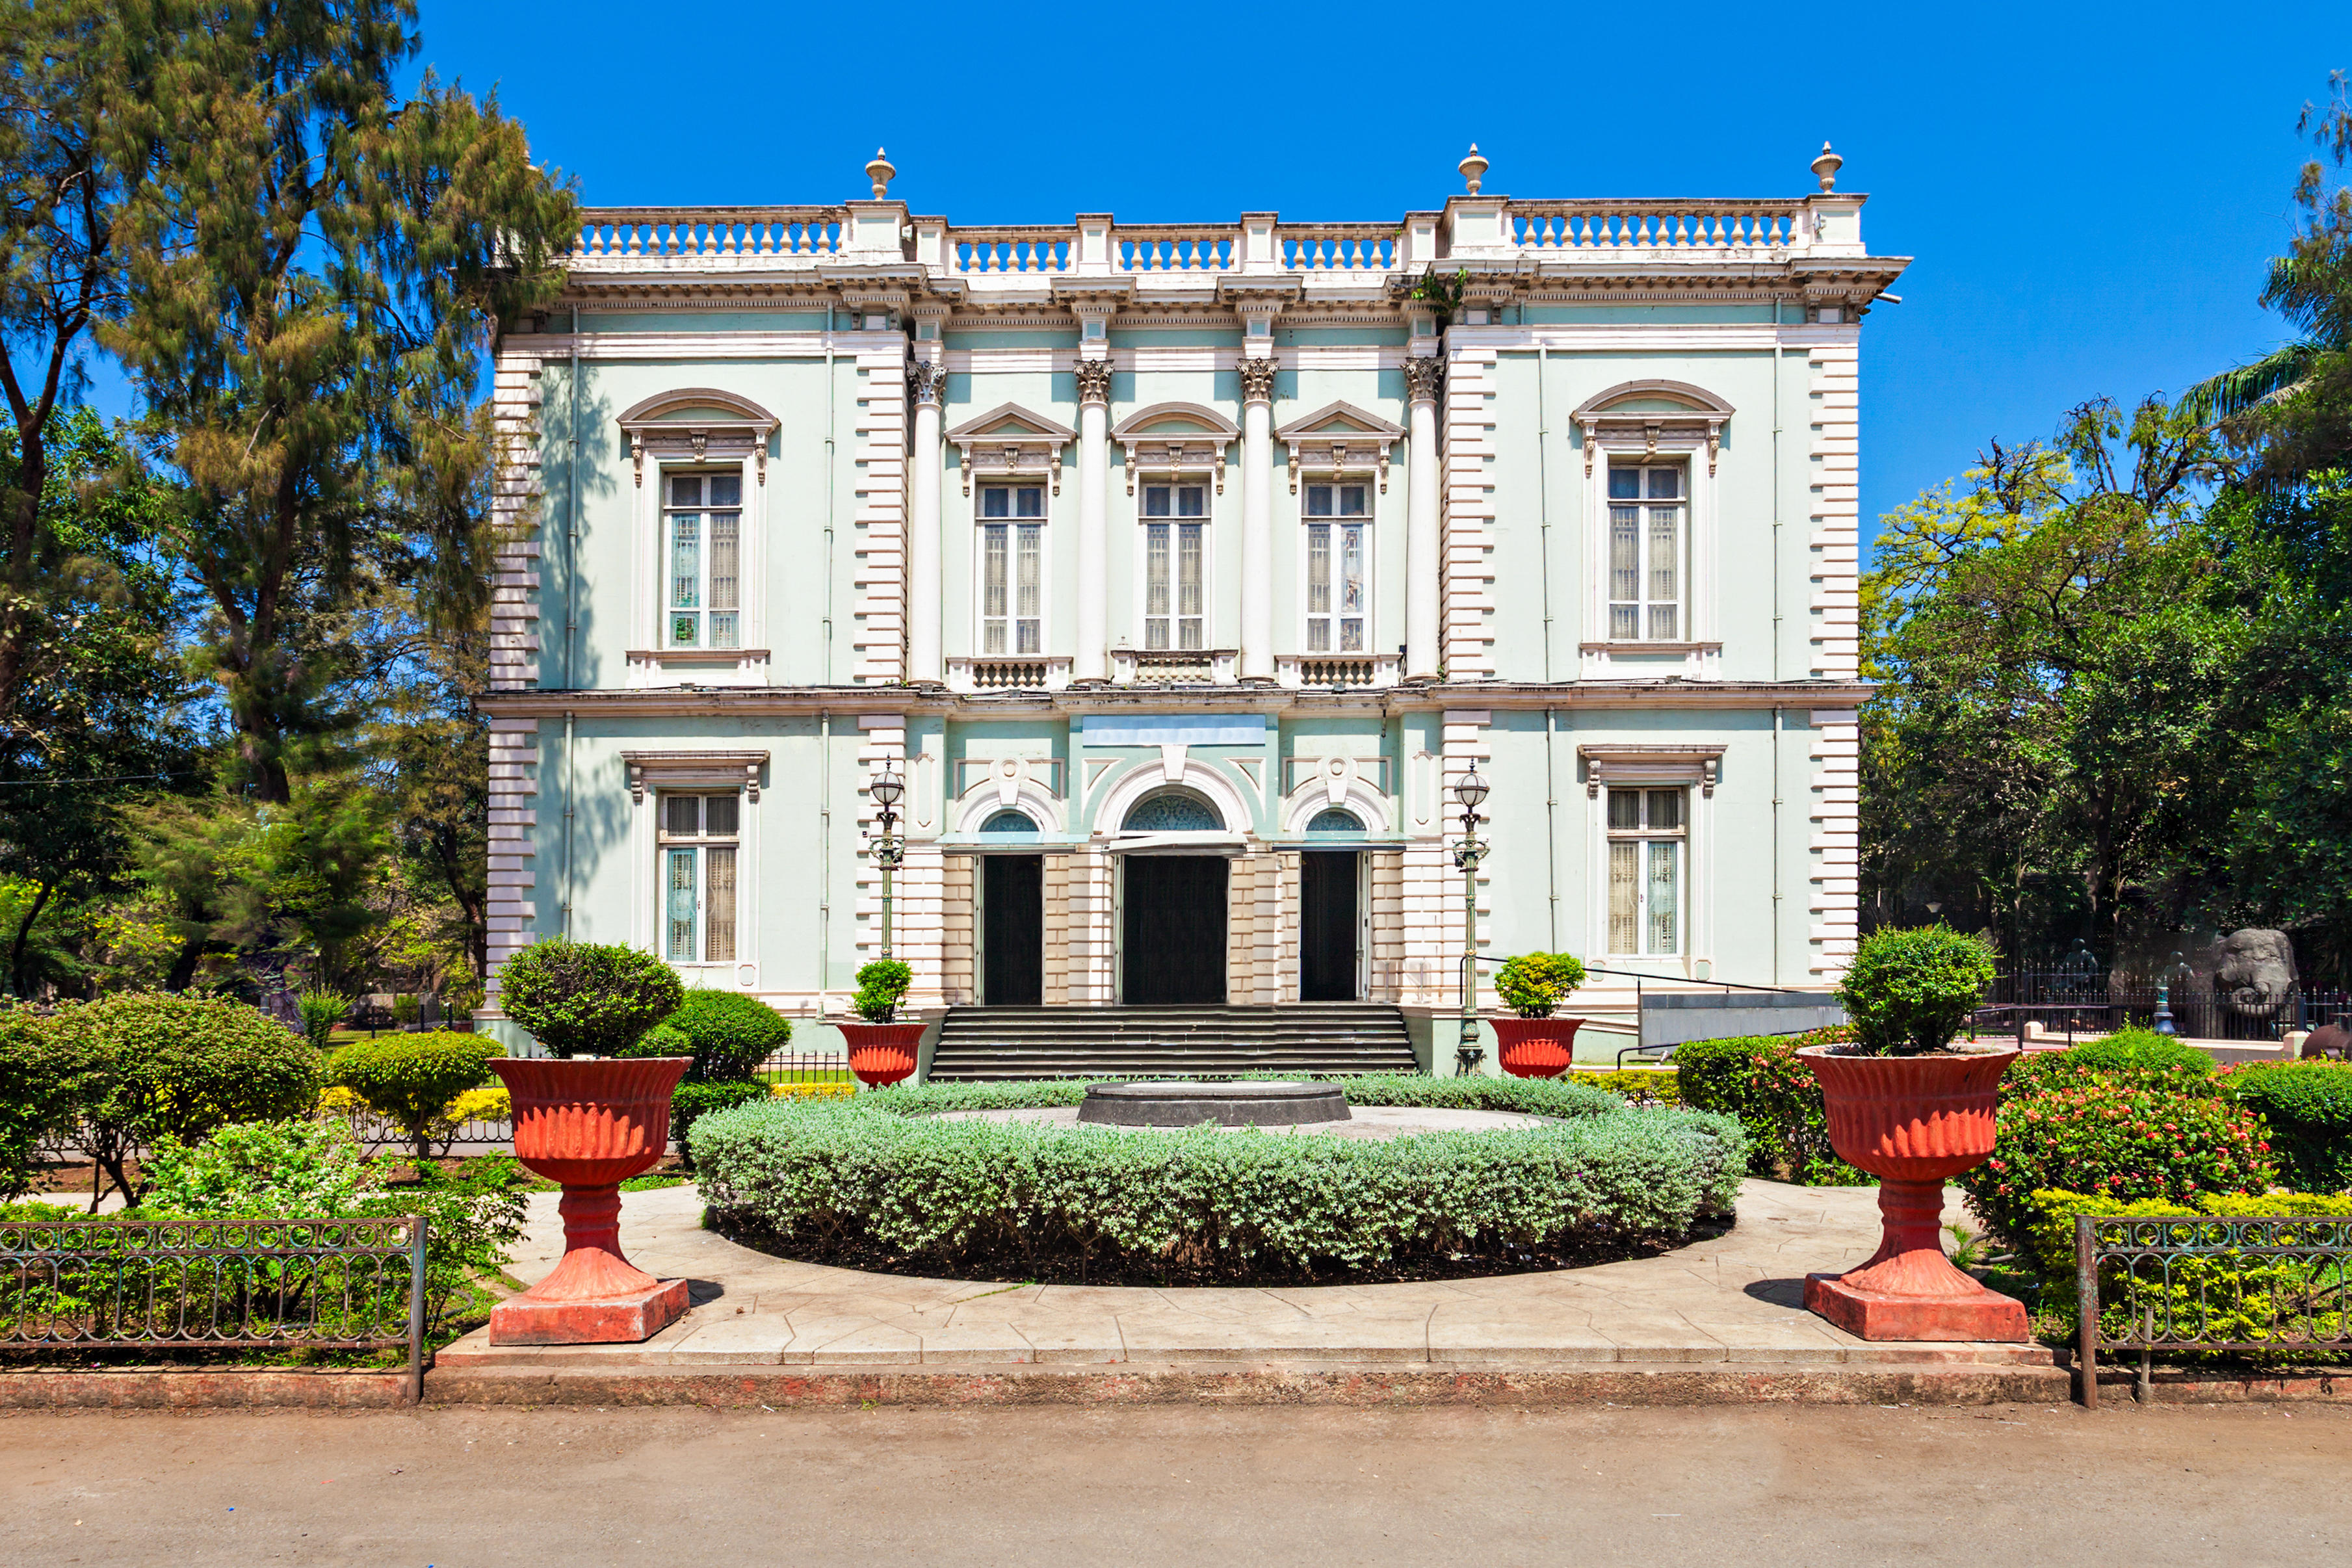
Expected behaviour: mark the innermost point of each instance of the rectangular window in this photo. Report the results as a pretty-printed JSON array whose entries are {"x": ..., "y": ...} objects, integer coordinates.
[
  {"x": 698, "y": 834},
  {"x": 1647, "y": 835},
  {"x": 1172, "y": 550},
  {"x": 1646, "y": 544},
  {"x": 1337, "y": 553},
  {"x": 702, "y": 530},
  {"x": 1012, "y": 569}
]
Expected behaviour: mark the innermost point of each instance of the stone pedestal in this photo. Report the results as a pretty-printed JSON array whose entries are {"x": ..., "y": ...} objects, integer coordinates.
[
  {"x": 1909, "y": 1290},
  {"x": 595, "y": 1296}
]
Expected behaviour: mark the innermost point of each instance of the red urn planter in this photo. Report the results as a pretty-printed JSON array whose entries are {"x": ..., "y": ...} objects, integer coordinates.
[
  {"x": 882, "y": 1054},
  {"x": 590, "y": 1125},
  {"x": 1535, "y": 1048},
  {"x": 1914, "y": 1123}
]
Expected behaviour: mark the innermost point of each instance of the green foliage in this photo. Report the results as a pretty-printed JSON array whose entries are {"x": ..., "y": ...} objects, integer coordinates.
[
  {"x": 141, "y": 1068},
  {"x": 1638, "y": 1086},
  {"x": 36, "y": 1098},
  {"x": 2307, "y": 1106},
  {"x": 2140, "y": 1054},
  {"x": 2121, "y": 1135},
  {"x": 1076, "y": 1201},
  {"x": 322, "y": 1011},
  {"x": 1533, "y": 983},
  {"x": 580, "y": 998},
  {"x": 2224, "y": 1296},
  {"x": 259, "y": 1170},
  {"x": 1908, "y": 992},
  {"x": 307, "y": 1170},
  {"x": 881, "y": 987},
  {"x": 728, "y": 1034},
  {"x": 1529, "y": 1095},
  {"x": 1760, "y": 1080},
  {"x": 410, "y": 1079},
  {"x": 1432, "y": 288},
  {"x": 689, "y": 1102}
]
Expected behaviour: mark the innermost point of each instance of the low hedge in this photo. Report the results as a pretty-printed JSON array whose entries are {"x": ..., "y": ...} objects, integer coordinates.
[
  {"x": 880, "y": 1181},
  {"x": 2151, "y": 1057},
  {"x": 2228, "y": 1298},
  {"x": 2308, "y": 1108}
]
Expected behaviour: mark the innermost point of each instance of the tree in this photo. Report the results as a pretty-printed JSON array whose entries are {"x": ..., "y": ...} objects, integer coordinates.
[
  {"x": 314, "y": 269},
  {"x": 60, "y": 197},
  {"x": 2293, "y": 406},
  {"x": 2050, "y": 646}
]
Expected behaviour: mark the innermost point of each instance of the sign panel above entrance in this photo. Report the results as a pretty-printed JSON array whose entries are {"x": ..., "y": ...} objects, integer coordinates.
[{"x": 1173, "y": 730}]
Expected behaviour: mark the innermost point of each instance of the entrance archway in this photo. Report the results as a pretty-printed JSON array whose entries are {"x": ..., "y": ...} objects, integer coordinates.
[{"x": 1172, "y": 908}]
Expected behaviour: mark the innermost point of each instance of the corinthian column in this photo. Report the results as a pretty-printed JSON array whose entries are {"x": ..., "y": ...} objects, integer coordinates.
[
  {"x": 1422, "y": 653},
  {"x": 1258, "y": 518},
  {"x": 927, "y": 385},
  {"x": 1091, "y": 660}
]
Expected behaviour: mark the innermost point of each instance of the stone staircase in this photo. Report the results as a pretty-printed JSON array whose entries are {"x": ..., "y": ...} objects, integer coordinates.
[{"x": 1302, "y": 1040}]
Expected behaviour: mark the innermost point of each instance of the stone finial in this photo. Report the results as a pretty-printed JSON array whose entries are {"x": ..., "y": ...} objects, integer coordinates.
[
  {"x": 1826, "y": 167},
  {"x": 881, "y": 171},
  {"x": 1474, "y": 168}
]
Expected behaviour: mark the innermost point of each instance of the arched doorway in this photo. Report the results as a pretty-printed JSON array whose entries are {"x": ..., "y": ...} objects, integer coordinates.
[
  {"x": 1331, "y": 908},
  {"x": 1173, "y": 908},
  {"x": 1012, "y": 918}
]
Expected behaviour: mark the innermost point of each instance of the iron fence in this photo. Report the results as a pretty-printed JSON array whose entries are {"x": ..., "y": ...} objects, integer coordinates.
[
  {"x": 804, "y": 1067},
  {"x": 2201, "y": 1283},
  {"x": 2071, "y": 1002},
  {"x": 201, "y": 1284}
]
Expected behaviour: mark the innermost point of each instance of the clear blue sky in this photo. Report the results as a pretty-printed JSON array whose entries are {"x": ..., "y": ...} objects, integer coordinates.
[{"x": 2089, "y": 191}]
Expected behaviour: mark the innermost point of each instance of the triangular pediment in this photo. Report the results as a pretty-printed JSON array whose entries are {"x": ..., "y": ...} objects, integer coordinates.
[
  {"x": 1011, "y": 421},
  {"x": 1339, "y": 421}
]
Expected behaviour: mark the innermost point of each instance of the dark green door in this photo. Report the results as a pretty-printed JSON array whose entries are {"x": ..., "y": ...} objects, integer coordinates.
[
  {"x": 1013, "y": 902},
  {"x": 1327, "y": 927},
  {"x": 1173, "y": 939}
]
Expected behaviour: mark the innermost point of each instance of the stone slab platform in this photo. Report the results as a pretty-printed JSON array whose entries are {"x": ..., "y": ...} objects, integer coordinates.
[{"x": 1734, "y": 1301}]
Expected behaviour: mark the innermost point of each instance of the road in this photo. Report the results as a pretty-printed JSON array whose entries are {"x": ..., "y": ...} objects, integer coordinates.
[{"x": 1717, "y": 1486}]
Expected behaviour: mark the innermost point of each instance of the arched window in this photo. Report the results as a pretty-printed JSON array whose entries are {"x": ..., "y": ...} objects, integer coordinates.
[
  {"x": 1009, "y": 822},
  {"x": 1173, "y": 811},
  {"x": 1332, "y": 822}
]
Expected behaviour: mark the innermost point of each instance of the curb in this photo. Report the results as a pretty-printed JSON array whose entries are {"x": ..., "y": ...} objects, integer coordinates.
[
  {"x": 1363, "y": 1385},
  {"x": 135, "y": 1388}
]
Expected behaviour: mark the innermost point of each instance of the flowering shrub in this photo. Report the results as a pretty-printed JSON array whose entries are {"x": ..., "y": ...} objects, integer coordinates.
[
  {"x": 2123, "y": 1136},
  {"x": 1760, "y": 1079}
]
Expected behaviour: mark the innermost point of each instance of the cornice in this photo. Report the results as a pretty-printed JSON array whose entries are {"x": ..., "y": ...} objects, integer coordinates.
[{"x": 703, "y": 702}]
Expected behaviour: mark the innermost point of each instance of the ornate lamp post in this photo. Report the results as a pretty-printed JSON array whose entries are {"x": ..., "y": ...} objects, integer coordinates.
[
  {"x": 889, "y": 849},
  {"x": 1471, "y": 792}
]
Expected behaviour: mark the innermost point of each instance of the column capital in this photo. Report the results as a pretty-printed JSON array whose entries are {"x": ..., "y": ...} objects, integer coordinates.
[
  {"x": 927, "y": 382},
  {"x": 1094, "y": 381},
  {"x": 1257, "y": 379},
  {"x": 1424, "y": 374}
]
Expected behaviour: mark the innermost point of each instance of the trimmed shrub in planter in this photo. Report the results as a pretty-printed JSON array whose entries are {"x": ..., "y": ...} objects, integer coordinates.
[
  {"x": 580, "y": 998},
  {"x": 876, "y": 1177},
  {"x": 1907, "y": 993},
  {"x": 414, "y": 1080},
  {"x": 728, "y": 1034},
  {"x": 2307, "y": 1107},
  {"x": 2121, "y": 1136}
]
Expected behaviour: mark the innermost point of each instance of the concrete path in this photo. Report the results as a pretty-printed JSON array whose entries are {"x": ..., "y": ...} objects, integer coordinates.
[{"x": 1735, "y": 1299}]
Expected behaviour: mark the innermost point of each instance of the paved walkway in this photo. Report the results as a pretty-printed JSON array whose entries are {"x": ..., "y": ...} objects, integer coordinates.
[{"x": 1738, "y": 1298}]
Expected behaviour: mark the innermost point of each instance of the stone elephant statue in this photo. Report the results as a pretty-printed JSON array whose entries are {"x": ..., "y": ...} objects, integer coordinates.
[{"x": 2254, "y": 970}]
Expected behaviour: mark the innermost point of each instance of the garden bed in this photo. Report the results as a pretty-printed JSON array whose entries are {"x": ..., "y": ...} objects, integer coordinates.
[{"x": 881, "y": 1182}]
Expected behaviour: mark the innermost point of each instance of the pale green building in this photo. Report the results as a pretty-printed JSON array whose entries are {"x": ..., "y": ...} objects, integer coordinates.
[{"x": 1179, "y": 571}]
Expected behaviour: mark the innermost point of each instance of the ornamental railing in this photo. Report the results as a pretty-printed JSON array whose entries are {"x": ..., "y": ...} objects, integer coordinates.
[
  {"x": 2203, "y": 1283},
  {"x": 201, "y": 1284},
  {"x": 706, "y": 232},
  {"x": 1736, "y": 230}
]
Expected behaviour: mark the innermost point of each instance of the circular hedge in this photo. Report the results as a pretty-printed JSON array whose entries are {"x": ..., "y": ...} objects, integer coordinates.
[{"x": 878, "y": 1181}]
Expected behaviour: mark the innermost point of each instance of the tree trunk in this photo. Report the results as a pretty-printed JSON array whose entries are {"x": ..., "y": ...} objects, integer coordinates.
[{"x": 24, "y": 934}]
